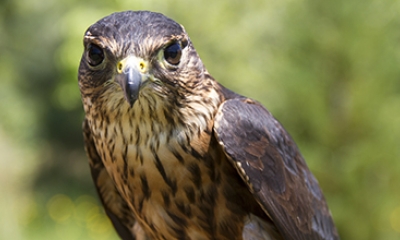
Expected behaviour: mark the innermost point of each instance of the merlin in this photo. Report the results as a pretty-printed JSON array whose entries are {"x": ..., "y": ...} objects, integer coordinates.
[{"x": 175, "y": 155}]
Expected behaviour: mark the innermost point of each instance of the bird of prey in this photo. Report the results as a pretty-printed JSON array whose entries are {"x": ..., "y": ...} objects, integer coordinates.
[{"x": 175, "y": 155}]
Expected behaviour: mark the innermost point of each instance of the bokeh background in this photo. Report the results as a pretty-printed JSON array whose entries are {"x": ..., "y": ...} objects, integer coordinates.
[{"x": 328, "y": 70}]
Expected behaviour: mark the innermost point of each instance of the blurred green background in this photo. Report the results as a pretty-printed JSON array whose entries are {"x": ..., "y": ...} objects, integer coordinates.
[{"x": 328, "y": 70}]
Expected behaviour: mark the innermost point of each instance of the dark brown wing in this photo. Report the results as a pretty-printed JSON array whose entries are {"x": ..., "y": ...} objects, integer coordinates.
[
  {"x": 270, "y": 163},
  {"x": 114, "y": 205}
]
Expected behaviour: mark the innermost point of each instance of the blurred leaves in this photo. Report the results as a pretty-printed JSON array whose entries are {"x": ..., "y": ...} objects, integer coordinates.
[{"x": 328, "y": 70}]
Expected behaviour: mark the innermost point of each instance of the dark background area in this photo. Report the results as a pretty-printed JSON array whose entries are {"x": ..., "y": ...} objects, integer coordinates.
[{"x": 328, "y": 70}]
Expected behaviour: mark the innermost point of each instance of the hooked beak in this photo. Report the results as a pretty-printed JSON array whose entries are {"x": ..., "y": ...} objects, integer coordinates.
[{"x": 132, "y": 71}]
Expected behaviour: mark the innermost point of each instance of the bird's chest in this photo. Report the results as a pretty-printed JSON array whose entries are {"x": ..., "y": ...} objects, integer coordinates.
[{"x": 174, "y": 187}]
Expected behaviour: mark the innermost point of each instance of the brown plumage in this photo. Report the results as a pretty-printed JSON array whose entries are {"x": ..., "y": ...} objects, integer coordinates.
[{"x": 175, "y": 155}]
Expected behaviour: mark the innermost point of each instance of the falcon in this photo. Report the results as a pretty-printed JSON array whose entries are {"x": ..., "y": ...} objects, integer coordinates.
[{"x": 175, "y": 155}]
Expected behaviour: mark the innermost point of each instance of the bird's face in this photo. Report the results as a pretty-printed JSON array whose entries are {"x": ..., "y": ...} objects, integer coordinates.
[{"x": 138, "y": 54}]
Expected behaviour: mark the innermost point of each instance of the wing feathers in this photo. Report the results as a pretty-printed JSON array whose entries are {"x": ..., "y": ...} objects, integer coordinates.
[{"x": 269, "y": 162}]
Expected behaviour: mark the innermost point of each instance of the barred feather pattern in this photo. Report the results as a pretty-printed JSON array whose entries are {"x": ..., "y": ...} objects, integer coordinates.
[{"x": 158, "y": 156}]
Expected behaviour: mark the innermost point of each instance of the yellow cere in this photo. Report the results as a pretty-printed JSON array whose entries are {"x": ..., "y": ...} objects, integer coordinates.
[{"x": 133, "y": 62}]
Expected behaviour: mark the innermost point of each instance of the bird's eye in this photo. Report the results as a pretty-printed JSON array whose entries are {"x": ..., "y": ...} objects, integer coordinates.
[
  {"x": 173, "y": 53},
  {"x": 96, "y": 55}
]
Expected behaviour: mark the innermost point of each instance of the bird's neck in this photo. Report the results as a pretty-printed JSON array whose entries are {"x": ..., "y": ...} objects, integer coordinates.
[{"x": 190, "y": 115}]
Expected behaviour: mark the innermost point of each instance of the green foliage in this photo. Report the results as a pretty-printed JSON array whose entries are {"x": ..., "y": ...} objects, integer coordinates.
[{"x": 328, "y": 70}]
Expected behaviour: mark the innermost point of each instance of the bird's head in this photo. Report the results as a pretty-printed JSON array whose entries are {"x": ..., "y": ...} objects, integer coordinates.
[{"x": 138, "y": 54}]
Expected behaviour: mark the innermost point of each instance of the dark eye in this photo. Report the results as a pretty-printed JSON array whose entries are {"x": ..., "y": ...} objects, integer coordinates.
[
  {"x": 96, "y": 55},
  {"x": 173, "y": 53}
]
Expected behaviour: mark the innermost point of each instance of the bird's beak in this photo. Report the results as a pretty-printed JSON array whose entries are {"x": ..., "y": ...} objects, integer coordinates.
[{"x": 132, "y": 71}]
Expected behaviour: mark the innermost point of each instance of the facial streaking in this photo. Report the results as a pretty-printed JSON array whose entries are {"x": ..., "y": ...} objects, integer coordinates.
[{"x": 163, "y": 62}]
